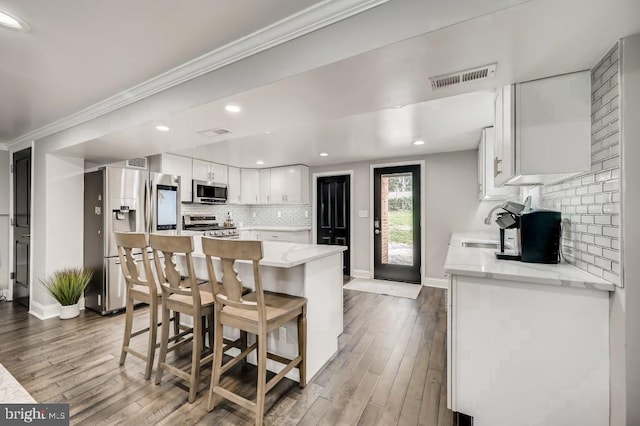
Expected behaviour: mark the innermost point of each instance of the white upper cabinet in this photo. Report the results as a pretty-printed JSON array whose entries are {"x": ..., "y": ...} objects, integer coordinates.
[
  {"x": 204, "y": 170},
  {"x": 486, "y": 164},
  {"x": 175, "y": 165},
  {"x": 234, "y": 189},
  {"x": 543, "y": 130},
  {"x": 290, "y": 185},
  {"x": 250, "y": 185},
  {"x": 278, "y": 185},
  {"x": 264, "y": 186}
]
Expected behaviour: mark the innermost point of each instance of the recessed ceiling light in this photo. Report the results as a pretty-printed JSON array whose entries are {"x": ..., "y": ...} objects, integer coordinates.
[
  {"x": 162, "y": 128},
  {"x": 418, "y": 142},
  {"x": 268, "y": 132},
  {"x": 324, "y": 154},
  {"x": 12, "y": 22},
  {"x": 259, "y": 162},
  {"x": 397, "y": 106},
  {"x": 232, "y": 108}
]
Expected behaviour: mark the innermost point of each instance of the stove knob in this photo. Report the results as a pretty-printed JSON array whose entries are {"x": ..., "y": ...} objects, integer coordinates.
[{"x": 216, "y": 233}]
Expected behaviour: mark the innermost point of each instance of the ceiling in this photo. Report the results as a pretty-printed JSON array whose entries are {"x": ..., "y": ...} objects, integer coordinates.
[
  {"x": 81, "y": 52},
  {"x": 347, "y": 108}
]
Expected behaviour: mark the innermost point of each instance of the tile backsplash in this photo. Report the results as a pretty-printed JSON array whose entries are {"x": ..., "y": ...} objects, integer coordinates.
[
  {"x": 591, "y": 202},
  {"x": 256, "y": 214}
]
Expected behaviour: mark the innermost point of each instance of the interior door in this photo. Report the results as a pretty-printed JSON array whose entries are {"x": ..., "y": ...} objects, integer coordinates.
[
  {"x": 397, "y": 223},
  {"x": 21, "y": 225},
  {"x": 333, "y": 218}
]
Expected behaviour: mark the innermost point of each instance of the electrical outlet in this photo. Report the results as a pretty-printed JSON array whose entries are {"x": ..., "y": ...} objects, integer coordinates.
[
  {"x": 279, "y": 214},
  {"x": 254, "y": 214},
  {"x": 306, "y": 213}
]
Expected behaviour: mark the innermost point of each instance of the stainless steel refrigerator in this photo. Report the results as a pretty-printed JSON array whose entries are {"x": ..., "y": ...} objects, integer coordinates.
[{"x": 124, "y": 200}]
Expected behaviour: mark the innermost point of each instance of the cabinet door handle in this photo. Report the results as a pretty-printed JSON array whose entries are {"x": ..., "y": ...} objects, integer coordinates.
[{"x": 496, "y": 166}]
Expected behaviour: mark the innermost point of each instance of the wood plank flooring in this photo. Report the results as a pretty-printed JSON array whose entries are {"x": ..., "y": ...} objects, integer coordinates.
[{"x": 390, "y": 369}]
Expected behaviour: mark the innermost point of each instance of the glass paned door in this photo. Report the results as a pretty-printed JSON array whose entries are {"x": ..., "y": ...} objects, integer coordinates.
[{"x": 397, "y": 223}]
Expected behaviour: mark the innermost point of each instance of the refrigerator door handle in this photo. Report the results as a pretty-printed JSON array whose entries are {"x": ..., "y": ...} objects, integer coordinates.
[
  {"x": 150, "y": 211},
  {"x": 146, "y": 206}
]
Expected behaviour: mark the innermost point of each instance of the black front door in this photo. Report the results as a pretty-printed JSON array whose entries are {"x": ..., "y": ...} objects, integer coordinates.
[
  {"x": 396, "y": 217},
  {"x": 333, "y": 221},
  {"x": 21, "y": 225}
]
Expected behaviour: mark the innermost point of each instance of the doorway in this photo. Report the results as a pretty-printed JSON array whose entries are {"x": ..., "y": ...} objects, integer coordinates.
[
  {"x": 396, "y": 223},
  {"x": 333, "y": 207},
  {"x": 21, "y": 223}
]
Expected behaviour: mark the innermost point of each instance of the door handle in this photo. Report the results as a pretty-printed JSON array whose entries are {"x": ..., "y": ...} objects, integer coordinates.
[{"x": 26, "y": 236}]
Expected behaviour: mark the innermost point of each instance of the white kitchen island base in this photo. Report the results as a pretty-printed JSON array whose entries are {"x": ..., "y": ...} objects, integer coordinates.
[{"x": 307, "y": 270}]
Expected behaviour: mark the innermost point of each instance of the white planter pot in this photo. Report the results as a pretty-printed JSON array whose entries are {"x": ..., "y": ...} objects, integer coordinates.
[{"x": 71, "y": 311}]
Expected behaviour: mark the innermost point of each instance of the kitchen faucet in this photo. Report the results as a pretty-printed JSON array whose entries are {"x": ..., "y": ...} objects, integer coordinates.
[{"x": 487, "y": 220}]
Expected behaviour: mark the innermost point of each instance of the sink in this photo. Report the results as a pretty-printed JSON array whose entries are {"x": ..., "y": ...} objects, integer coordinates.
[{"x": 481, "y": 244}]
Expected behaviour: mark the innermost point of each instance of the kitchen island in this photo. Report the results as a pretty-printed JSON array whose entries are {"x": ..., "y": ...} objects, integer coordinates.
[
  {"x": 308, "y": 270},
  {"x": 527, "y": 343}
]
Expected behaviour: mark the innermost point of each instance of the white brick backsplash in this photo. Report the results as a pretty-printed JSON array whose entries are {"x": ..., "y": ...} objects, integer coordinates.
[
  {"x": 592, "y": 201},
  {"x": 602, "y": 241},
  {"x": 603, "y": 263},
  {"x": 611, "y": 254},
  {"x": 290, "y": 214}
]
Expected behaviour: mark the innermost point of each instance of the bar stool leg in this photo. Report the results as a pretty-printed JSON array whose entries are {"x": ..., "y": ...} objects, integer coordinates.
[
  {"x": 262, "y": 376},
  {"x": 153, "y": 332},
  {"x": 164, "y": 341},
  {"x": 302, "y": 346},
  {"x": 217, "y": 364},
  {"x": 128, "y": 324},
  {"x": 195, "y": 356}
]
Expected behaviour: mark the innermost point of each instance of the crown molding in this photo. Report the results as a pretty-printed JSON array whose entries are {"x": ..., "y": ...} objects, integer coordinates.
[
  {"x": 306, "y": 21},
  {"x": 3, "y": 147}
]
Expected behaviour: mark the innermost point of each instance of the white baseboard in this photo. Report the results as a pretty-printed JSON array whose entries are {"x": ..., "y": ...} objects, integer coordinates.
[
  {"x": 436, "y": 282},
  {"x": 4, "y": 293},
  {"x": 44, "y": 312},
  {"x": 361, "y": 273}
]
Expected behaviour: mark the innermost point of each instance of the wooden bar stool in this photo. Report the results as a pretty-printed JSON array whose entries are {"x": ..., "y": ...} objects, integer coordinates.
[
  {"x": 181, "y": 295},
  {"x": 141, "y": 287},
  {"x": 258, "y": 312}
]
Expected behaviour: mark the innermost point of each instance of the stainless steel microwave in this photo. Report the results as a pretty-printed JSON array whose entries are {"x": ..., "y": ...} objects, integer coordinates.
[{"x": 208, "y": 192}]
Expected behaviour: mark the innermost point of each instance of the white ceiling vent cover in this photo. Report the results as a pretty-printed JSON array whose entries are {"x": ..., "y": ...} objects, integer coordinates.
[
  {"x": 474, "y": 74},
  {"x": 137, "y": 163},
  {"x": 212, "y": 133}
]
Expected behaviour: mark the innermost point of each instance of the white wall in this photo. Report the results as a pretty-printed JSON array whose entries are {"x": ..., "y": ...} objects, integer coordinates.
[
  {"x": 57, "y": 229},
  {"x": 4, "y": 219},
  {"x": 451, "y": 204}
]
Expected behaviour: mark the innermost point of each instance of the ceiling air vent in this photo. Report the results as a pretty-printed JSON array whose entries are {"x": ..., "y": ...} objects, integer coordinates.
[
  {"x": 212, "y": 133},
  {"x": 474, "y": 74},
  {"x": 137, "y": 163}
]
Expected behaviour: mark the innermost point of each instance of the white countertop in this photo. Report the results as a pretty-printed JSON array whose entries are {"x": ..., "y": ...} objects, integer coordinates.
[
  {"x": 284, "y": 254},
  {"x": 275, "y": 228},
  {"x": 479, "y": 262}
]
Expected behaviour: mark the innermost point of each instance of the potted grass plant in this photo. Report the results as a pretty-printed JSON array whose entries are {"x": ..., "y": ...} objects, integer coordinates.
[{"x": 67, "y": 287}]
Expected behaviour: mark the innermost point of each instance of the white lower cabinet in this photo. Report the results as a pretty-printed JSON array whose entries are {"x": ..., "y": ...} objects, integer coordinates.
[{"x": 525, "y": 353}]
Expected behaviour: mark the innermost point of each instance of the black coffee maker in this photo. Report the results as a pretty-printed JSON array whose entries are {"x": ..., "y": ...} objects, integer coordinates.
[{"x": 540, "y": 236}]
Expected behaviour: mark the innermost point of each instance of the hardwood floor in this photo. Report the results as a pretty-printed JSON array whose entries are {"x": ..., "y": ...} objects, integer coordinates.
[{"x": 390, "y": 369}]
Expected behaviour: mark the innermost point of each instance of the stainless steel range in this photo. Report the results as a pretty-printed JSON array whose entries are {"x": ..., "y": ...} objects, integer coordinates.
[{"x": 198, "y": 224}]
